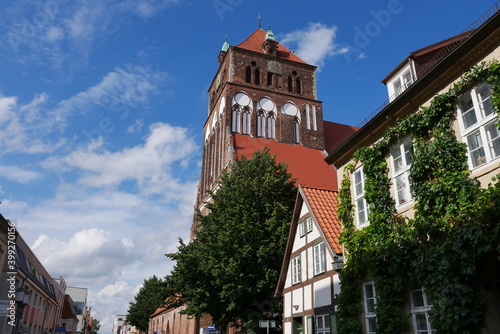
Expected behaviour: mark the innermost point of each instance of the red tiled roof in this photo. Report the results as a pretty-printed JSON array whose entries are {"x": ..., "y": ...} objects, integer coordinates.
[
  {"x": 256, "y": 39},
  {"x": 306, "y": 164},
  {"x": 324, "y": 206},
  {"x": 336, "y": 134}
]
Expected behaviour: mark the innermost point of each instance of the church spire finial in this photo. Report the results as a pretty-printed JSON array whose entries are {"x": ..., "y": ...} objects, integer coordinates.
[{"x": 259, "y": 20}]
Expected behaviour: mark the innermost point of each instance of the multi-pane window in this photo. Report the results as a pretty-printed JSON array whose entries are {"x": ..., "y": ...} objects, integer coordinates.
[
  {"x": 420, "y": 306},
  {"x": 401, "y": 83},
  {"x": 369, "y": 302},
  {"x": 362, "y": 209},
  {"x": 323, "y": 324},
  {"x": 296, "y": 277},
  {"x": 302, "y": 230},
  {"x": 478, "y": 122},
  {"x": 401, "y": 162},
  {"x": 309, "y": 222},
  {"x": 319, "y": 258}
]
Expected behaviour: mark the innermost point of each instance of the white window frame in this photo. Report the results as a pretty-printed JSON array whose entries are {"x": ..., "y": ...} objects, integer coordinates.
[
  {"x": 401, "y": 82},
  {"x": 421, "y": 310},
  {"x": 362, "y": 208},
  {"x": 323, "y": 324},
  {"x": 401, "y": 171},
  {"x": 478, "y": 126},
  {"x": 319, "y": 258},
  {"x": 296, "y": 270},
  {"x": 369, "y": 303},
  {"x": 302, "y": 230},
  {"x": 309, "y": 223}
]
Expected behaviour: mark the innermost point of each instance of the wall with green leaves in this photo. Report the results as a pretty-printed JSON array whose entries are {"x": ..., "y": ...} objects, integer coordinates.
[{"x": 454, "y": 226}]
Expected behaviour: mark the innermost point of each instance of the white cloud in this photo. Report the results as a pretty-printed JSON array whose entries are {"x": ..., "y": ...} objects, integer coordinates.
[
  {"x": 315, "y": 43},
  {"x": 104, "y": 255},
  {"x": 23, "y": 127},
  {"x": 18, "y": 174},
  {"x": 119, "y": 91},
  {"x": 63, "y": 34},
  {"x": 150, "y": 165}
]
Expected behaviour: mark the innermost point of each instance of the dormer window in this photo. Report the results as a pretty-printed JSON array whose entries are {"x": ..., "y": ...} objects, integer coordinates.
[{"x": 400, "y": 82}]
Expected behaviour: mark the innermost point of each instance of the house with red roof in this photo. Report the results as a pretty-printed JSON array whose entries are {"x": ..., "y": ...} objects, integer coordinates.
[{"x": 313, "y": 257}]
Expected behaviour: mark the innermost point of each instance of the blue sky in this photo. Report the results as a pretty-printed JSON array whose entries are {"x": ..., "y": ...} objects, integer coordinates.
[{"x": 102, "y": 106}]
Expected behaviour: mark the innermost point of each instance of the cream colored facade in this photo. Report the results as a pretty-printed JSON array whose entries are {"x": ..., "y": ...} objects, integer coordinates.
[{"x": 483, "y": 45}]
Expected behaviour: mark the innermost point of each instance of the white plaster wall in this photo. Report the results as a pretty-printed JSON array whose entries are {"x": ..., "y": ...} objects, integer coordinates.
[
  {"x": 287, "y": 304},
  {"x": 308, "y": 297},
  {"x": 297, "y": 300},
  {"x": 322, "y": 293}
]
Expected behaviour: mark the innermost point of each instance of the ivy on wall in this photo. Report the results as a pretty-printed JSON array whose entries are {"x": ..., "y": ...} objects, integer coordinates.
[{"x": 455, "y": 224}]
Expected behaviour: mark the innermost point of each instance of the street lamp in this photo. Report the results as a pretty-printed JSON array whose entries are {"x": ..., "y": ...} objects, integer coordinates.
[{"x": 22, "y": 297}]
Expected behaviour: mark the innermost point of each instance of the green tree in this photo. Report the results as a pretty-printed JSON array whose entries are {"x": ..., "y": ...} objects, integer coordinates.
[
  {"x": 231, "y": 268},
  {"x": 150, "y": 297},
  {"x": 96, "y": 325}
]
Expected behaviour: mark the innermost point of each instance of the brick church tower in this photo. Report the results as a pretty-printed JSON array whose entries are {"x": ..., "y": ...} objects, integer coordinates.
[{"x": 263, "y": 95}]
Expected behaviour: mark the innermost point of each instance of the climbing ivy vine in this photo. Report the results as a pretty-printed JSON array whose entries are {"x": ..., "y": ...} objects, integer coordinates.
[{"x": 455, "y": 223}]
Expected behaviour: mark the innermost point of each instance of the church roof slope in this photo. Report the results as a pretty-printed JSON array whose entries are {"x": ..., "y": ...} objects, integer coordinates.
[
  {"x": 305, "y": 164},
  {"x": 256, "y": 39},
  {"x": 336, "y": 133}
]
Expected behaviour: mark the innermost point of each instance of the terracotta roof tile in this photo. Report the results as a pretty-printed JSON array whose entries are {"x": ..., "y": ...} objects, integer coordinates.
[
  {"x": 256, "y": 39},
  {"x": 324, "y": 204},
  {"x": 306, "y": 164}
]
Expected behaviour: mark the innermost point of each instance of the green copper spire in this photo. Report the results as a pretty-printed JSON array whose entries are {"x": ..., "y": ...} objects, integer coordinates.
[
  {"x": 269, "y": 34},
  {"x": 225, "y": 46}
]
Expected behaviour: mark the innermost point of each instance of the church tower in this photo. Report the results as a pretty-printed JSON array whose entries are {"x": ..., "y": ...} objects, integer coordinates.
[{"x": 262, "y": 94}]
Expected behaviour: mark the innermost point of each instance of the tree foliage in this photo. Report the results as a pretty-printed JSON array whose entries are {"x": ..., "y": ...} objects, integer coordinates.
[
  {"x": 231, "y": 268},
  {"x": 150, "y": 297},
  {"x": 96, "y": 325}
]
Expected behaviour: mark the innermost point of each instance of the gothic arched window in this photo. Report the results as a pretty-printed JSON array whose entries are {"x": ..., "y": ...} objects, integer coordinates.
[
  {"x": 248, "y": 74},
  {"x": 261, "y": 124},
  {"x": 269, "y": 78},
  {"x": 296, "y": 130},
  {"x": 290, "y": 84},
  {"x": 298, "y": 86},
  {"x": 271, "y": 125},
  {"x": 245, "y": 128},
  {"x": 235, "y": 122},
  {"x": 257, "y": 76}
]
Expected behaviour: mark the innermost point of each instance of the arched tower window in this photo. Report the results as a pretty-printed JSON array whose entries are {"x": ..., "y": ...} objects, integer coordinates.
[
  {"x": 235, "y": 122},
  {"x": 261, "y": 124},
  {"x": 290, "y": 84},
  {"x": 269, "y": 79},
  {"x": 296, "y": 130},
  {"x": 298, "y": 86},
  {"x": 248, "y": 74},
  {"x": 271, "y": 125},
  {"x": 257, "y": 76},
  {"x": 245, "y": 128}
]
